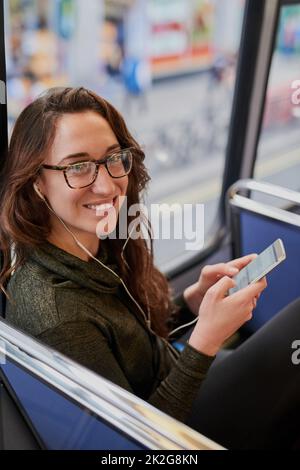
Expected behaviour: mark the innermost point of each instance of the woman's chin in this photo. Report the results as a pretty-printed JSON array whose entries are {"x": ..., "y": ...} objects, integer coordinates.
[
  {"x": 106, "y": 225},
  {"x": 105, "y": 233}
]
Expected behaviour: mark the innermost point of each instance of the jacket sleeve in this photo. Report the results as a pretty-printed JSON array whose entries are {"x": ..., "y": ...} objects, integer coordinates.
[
  {"x": 176, "y": 393},
  {"x": 83, "y": 342}
]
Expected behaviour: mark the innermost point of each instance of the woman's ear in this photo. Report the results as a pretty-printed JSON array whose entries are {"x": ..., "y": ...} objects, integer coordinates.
[{"x": 38, "y": 191}]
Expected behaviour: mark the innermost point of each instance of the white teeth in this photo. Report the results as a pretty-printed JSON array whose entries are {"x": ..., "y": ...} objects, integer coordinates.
[{"x": 100, "y": 207}]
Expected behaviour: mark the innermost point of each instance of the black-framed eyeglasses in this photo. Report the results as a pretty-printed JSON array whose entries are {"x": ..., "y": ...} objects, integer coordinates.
[{"x": 82, "y": 174}]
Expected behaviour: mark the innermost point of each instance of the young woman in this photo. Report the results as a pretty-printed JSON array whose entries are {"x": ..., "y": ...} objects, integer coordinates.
[{"x": 71, "y": 165}]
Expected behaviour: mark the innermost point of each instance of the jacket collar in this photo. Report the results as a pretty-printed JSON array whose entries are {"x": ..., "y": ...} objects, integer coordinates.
[{"x": 64, "y": 266}]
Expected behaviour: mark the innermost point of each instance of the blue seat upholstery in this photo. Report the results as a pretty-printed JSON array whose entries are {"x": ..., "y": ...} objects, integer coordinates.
[{"x": 254, "y": 226}]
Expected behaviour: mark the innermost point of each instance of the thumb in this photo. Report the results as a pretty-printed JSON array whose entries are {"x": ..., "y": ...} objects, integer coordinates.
[
  {"x": 221, "y": 287},
  {"x": 253, "y": 290}
]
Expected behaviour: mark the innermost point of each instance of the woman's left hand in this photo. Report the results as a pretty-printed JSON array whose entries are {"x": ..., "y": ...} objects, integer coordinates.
[{"x": 210, "y": 274}]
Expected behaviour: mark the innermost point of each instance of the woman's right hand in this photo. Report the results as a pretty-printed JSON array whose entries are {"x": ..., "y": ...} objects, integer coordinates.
[{"x": 220, "y": 316}]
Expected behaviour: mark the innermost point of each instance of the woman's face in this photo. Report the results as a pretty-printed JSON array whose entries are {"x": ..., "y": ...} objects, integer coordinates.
[{"x": 89, "y": 133}]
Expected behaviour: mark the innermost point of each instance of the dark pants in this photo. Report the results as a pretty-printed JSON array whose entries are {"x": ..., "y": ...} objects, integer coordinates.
[{"x": 251, "y": 398}]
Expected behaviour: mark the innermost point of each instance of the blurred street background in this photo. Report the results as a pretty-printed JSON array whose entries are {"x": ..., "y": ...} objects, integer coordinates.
[{"x": 169, "y": 67}]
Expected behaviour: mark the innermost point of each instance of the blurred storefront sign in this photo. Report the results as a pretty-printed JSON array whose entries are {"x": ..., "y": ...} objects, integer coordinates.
[{"x": 181, "y": 35}]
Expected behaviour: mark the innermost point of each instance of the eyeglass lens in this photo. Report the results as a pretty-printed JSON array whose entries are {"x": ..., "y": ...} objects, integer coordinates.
[{"x": 83, "y": 174}]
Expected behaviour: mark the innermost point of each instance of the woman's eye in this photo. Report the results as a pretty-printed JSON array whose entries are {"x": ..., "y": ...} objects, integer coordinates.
[
  {"x": 115, "y": 158},
  {"x": 80, "y": 168}
]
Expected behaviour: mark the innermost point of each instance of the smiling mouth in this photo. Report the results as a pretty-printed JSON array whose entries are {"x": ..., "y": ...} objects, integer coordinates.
[{"x": 101, "y": 209}]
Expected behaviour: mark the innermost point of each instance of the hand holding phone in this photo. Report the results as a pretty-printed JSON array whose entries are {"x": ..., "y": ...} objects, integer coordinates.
[{"x": 260, "y": 266}]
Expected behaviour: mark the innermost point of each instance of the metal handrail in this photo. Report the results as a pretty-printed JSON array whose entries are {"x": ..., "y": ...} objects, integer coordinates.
[
  {"x": 128, "y": 413},
  {"x": 244, "y": 202},
  {"x": 266, "y": 188}
]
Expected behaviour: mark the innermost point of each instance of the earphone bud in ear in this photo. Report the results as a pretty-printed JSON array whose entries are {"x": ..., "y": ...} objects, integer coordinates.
[{"x": 37, "y": 190}]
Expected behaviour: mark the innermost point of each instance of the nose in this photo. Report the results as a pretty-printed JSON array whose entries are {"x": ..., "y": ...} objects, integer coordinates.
[{"x": 104, "y": 183}]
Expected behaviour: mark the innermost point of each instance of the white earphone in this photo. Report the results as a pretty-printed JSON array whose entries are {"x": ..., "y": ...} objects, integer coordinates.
[
  {"x": 38, "y": 191},
  {"x": 147, "y": 317}
]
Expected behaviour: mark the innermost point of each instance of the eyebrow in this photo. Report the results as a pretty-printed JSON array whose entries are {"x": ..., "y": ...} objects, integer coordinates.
[{"x": 86, "y": 154}]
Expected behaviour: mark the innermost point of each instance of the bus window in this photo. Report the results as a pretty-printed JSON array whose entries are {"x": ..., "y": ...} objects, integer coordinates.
[
  {"x": 169, "y": 67},
  {"x": 278, "y": 157}
]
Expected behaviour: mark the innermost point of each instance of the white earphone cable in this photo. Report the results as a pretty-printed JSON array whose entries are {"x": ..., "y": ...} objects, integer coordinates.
[{"x": 147, "y": 318}]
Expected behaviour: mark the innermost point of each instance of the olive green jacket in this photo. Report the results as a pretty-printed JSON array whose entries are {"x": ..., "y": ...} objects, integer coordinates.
[{"x": 83, "y": 311}]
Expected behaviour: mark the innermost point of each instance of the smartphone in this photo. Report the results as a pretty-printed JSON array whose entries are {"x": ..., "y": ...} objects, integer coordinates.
[{"x": 260, "y": 266}]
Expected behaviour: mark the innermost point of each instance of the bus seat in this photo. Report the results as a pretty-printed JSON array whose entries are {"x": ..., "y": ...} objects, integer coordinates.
[{"x": 254, "y": 224}]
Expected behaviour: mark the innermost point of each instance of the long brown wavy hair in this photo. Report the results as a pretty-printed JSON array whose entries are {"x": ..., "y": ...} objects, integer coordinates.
[{"x": 24, "y": 222}]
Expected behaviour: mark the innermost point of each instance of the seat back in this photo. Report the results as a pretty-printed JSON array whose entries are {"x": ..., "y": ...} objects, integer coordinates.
[{"x": 254, "y": 225}]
